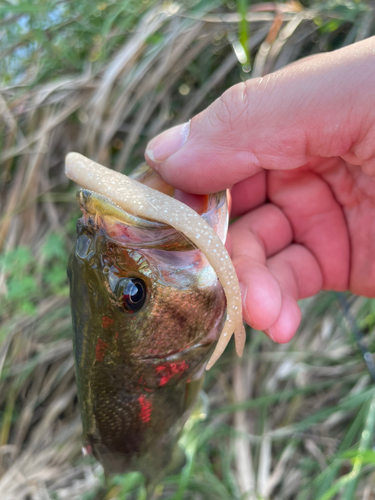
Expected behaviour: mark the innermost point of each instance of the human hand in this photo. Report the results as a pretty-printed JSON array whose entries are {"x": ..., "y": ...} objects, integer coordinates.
[{"x": 297, "y": 149}]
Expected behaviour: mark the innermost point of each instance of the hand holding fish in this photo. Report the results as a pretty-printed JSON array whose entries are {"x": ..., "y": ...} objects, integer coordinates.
[
  {"x": 297, "y": 149},
  {"x": 150, "y": 278}
]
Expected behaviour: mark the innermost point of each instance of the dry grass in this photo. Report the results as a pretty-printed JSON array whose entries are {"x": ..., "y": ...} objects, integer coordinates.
[{"x": 280, "y": 417}]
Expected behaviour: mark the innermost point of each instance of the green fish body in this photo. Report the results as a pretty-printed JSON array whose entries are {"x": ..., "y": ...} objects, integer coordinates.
[{"x": 147, "y": 310}]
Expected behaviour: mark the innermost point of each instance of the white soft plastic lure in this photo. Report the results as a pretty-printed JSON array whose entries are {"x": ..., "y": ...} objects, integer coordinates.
[{"x": 143, "y": 201}]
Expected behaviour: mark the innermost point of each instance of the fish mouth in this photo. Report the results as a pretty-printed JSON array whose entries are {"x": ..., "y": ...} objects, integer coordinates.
[
  {"x": 94, "y": 204},
  {"x": 101, "y": 212}
]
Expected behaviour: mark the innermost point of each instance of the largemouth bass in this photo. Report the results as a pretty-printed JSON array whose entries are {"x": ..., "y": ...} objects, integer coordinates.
[{"x": 147, "y": 311}]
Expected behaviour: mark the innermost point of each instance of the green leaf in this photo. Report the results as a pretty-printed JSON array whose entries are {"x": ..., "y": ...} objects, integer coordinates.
[
  {"x": 21, "y": 289},
  {"x": 56, "y": 276},
  {"x": 367, "y": 457},
  {"x": 54, "y": 247},
  {"x": 16, "y": 260}
]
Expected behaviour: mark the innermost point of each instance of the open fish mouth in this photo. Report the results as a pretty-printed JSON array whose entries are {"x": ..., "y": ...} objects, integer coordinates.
[
  {"x": 98, "y": 210},
  {"x": 131, "y": 231}
]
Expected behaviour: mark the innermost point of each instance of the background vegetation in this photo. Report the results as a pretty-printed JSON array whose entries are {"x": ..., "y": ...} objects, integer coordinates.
[{"x": 103, "y": 77}]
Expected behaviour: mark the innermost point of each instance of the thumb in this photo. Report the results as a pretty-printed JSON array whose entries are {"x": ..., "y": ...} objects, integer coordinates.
[{"x": 316, "y": 107}]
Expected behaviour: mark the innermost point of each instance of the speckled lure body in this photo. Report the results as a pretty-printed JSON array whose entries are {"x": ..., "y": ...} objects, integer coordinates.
[{"x": 147, "y": 311}]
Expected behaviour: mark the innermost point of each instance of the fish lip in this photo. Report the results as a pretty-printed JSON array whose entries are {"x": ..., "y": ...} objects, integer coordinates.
[
  {"x": 98, "y": 205},
  {"x": 82, "y": 196},
  {"x": 85, "y": 198}
]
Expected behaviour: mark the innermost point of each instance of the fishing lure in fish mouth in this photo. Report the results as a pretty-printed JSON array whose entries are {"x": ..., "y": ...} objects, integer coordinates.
[
  {"x": 147, "y": 310},
  {"x": 143, "y": 201}
]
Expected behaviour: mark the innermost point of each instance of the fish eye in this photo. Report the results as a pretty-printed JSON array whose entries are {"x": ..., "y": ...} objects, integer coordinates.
[{"x": 132, "y": 293}]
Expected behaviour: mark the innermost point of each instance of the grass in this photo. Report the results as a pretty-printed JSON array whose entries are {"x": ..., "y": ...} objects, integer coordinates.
[{"x": 291, "y": 422}]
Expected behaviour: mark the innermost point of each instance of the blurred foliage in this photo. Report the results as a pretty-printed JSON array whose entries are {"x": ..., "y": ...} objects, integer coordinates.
[
  {"x": 367, "y": 316},
  {"x": 43, "y": 40},
  {"x": 30, "y": 278}
]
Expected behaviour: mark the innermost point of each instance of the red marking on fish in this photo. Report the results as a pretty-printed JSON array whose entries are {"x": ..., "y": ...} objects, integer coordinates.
[
  {"x": 100, "y": 349},
  {"x": 167, "y": 371},
  {"x": 116, "y": 335},
  {"x": 146, "y": 408},
  {"x": 106, "y": 322}
]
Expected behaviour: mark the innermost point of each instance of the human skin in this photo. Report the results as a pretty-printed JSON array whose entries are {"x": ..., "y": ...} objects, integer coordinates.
[{"x": 297, "y": 149}]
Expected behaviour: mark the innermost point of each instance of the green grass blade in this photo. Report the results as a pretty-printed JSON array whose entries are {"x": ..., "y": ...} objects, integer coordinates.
[
  {"x": 326, "y": 478},
  {"x": 365, "y": 443},
  {"x": 242, "y": 6}
]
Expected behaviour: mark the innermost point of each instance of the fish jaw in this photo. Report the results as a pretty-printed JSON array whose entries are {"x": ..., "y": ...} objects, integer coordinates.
[{"x": 135, "y": 370}]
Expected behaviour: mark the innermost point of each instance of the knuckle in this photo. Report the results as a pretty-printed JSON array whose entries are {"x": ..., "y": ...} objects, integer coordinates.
[
  {"x": 238, "y": 104},
  {"x": 229, "y": 109}
]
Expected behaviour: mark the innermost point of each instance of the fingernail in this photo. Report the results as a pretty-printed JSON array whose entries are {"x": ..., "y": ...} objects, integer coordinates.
[{"x": 169, "y": 142}]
